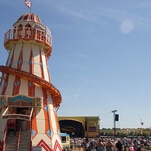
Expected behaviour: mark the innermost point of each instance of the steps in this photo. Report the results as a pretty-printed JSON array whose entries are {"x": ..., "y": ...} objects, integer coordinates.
[
  {"x": 11, "y": 142},
  {"x": 25, "y": 141}
]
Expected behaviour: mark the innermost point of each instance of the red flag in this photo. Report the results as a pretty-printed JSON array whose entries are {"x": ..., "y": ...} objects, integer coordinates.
[{"x": 28, "y": 3}]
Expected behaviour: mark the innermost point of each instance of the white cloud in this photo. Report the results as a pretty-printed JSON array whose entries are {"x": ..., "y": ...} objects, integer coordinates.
[
  {"x": 79, "y": 14},
  {"x": 127, "y": 26}
]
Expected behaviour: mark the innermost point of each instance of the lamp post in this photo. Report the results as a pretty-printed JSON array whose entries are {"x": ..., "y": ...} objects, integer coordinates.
[{"x": 114, "y": 121}]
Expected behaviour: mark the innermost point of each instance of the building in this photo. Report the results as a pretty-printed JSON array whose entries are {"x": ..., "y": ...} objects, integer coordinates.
[
  {"x": 27, "y": 96},
  {"x": 79, "y": 126}
]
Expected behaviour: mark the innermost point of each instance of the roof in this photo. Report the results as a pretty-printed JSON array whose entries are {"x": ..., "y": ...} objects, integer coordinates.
[
  {"x": 29, "y": 17},
  {"x": 64, "y": 134}
]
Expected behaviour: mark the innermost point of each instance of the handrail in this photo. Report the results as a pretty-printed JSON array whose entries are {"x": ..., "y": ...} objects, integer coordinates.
[
  {"x": 19, "y": 138},
  {"x": 17, "y": 116},
  {"x": 31, "y": 112},
  {"x": 31, "y": 134},
  {"x": 4, "y": 140},
  {"x": 30, "y": 142},
  {"x": 5, "y": 111},
  {"x": 28, "y": 33}
]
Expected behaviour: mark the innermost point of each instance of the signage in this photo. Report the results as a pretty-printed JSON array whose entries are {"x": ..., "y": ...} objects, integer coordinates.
[
  {"x": 21, "y": 97},
  {"x": 21, "y": 100},
  {"x": 92, "y": 128},
  {"x": 38, "y": 102},
  {"x": 20, "y": 103},
  {"x": 3, "y": 100}
]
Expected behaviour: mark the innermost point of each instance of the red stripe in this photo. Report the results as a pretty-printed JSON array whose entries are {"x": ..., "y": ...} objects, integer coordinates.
[
  {"x": 31, "y": 89},
  {"x": 43, "y": 144},
  {"x": 44, "y": 91},
  {"x": 57, "y": 145},
  {"x": 41, "y": 66},
  {"x": 16, "y": 86},
  {"x": 20, "y": 60},
  {"x": 31, "y": 85},
  {"x": 4, "y": 87},
  {"x": 31, "y": 63}
]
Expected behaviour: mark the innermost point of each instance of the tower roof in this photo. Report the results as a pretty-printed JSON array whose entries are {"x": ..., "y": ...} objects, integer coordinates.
[{"x": 30, "y": 17}]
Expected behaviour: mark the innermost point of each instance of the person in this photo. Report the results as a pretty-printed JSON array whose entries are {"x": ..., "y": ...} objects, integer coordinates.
[
  {"x": 11, "y": 127},
  {"x": 79, "y": 143},
  {"x": 109, "y": 145},
  {"x": 87, "y": 145},
  {"x": 131, "y": 148},
  {"x": 119, "y": 145},
  {"x": 100, "y": 146}
]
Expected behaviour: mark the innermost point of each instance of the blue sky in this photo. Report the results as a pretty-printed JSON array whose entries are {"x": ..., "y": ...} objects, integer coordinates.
[{"x": 101, "y": 59}]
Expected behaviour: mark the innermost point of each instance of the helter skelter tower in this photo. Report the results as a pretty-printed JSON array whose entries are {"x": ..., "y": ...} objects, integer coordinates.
[{"x": 26, "y": 93}]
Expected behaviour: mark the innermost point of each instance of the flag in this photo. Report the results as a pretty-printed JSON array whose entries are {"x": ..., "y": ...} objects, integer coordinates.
[
  {"x": 28, "y": 3},
  {"x": 142, "y": 123}
]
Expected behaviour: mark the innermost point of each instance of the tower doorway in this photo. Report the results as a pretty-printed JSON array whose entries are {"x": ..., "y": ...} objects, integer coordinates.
[{"x": 21, "y": 124}]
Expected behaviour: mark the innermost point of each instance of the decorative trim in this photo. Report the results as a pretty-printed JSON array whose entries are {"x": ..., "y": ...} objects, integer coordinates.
[{"x": 44, "y": 145}]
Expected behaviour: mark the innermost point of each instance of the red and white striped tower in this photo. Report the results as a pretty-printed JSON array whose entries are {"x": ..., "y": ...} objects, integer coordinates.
[{"x": 26, "y": 93}]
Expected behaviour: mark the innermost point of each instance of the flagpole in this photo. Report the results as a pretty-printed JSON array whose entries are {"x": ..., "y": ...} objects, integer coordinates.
[{"x": 30, "y": 7}]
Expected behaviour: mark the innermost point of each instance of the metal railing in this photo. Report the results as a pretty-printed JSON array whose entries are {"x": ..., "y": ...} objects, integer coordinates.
[
  {"x": 29, "y": 34},
  {"x": 7, "y": 115},
  {"x": 18, "y": 142},
  {"x": 4, "y": 140}
]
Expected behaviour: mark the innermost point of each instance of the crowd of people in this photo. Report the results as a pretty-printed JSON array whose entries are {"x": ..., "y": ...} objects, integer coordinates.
[{"x": 111, "y": 144}]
